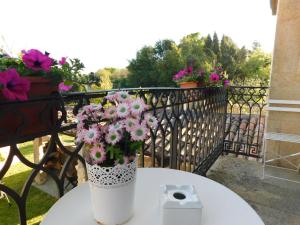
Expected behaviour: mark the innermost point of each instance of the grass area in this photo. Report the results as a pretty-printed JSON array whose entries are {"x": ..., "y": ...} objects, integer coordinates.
[
  {"x": 1, "y": 158},
  {"x": 38, "y": 202}
]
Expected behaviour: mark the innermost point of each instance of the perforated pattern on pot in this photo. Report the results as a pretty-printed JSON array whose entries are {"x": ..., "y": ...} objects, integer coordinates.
[{"x": 109, "y": 177}]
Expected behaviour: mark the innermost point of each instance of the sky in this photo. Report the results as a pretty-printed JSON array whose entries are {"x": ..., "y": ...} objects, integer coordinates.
[{"x": 108, "y": 33}]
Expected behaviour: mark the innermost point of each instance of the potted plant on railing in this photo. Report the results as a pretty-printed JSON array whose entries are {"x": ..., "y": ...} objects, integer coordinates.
[
  {"x": 189, "y": 78},
  {"x": 33, "y": 74},
  {"x": 112, "y": 134},
  {"x": 216, "y": 77}
]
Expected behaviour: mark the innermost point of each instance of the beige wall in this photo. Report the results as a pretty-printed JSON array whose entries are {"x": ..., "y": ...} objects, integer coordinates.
[{"x": 285, "y": 76}]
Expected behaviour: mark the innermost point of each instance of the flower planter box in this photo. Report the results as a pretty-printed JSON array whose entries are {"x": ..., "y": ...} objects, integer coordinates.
[
  {"x": 190, "y": 84},
  {"x": 21, "y": 120}
]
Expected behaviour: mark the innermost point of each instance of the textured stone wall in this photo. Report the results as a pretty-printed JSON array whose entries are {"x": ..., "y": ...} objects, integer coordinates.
[{"x": 285, "y": 78}]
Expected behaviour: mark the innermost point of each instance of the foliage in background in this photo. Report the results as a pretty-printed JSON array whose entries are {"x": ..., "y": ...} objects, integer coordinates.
[{"x": 155, "y": 66}]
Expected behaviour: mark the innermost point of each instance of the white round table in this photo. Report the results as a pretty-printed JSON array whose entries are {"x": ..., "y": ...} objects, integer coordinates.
[{"x": 221, "y": 206}]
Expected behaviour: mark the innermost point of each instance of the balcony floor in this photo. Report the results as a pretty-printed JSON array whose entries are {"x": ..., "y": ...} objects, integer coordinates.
[{"x": 276, "y": 201}]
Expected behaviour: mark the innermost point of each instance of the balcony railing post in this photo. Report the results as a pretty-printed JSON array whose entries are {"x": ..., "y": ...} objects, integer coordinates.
[
  {"x": 225, "y": 119},
  {"x": 174, "y": 136}
]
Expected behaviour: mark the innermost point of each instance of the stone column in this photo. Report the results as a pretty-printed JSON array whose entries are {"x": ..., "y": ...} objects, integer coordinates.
[{"x": 285, "y": 79}]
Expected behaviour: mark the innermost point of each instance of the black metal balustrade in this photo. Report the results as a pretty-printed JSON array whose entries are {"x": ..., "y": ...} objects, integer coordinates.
[
  {"x": 245, "y": 121},
  {"x": 189, "y": 135}
]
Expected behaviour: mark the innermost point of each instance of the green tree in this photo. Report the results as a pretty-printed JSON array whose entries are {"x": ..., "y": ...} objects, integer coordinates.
[
  {"x": 228, "y": 56},
  {"x": 216, "y": 46},
  {"x": 143, "y": 70},
  {"x": 169, "y": 65},
  {"x": 256, "y": 70},
  {"x": 209, "y": 48},
  {"x": 105, "y": 82},
  {"x": 192, "y": 50}
]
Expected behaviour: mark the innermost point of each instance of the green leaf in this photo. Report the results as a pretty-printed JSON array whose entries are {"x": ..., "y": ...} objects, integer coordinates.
[{"x": 135, "y": 146}]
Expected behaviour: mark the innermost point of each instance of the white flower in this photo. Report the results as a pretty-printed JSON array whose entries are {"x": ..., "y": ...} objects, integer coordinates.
[
  {"x": 139, "y": 133},
  {"x": 115, "y": 127},
  {"x": 130, "y": 123},
  {"x": 137, "y": 106},
  {"x": 91, "y": 135},
  {"x": 123, "y": 96},
  {"x": 151, "y": 121},
  {"x": 98, "y": 154},
  {"x": 112, "y": 137},
  {"x": 123, "y": 110}
]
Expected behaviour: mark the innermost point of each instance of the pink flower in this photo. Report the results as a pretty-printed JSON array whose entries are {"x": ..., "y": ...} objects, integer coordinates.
[
  {"x": 139, "y": 133},
  {"x": 130, "y": 123},
  {"x": 63, "y": 87},
  {"x": 123, "y": 96},
  {"x": 112, "y": 137},
  {"x": 179, "y": 75},
  {"x": 137, "y": 106},
  {"x": 226, "y": 83},
  {"x": 36, "y": 60},
  {"x": 98, "y": 154},
  {"x": 151, "y": 121},
  {"x": 63, "y": 60},
  {"x": 81, "y": 117},
  {"x": 122, "y": 110},
  {"x": 80, "y": 135},
  {"x": 111, "y": 96},
  {"x": 189, "y": 69},
  {"x": 110, "y": 112},
  {"x": 92, "y": 107},
  {"x": 214, "y": 77},
  {"x": 115, "y": 127},
  {"x": 13, "y": 86},
  {"x": 91, "y": 135}
]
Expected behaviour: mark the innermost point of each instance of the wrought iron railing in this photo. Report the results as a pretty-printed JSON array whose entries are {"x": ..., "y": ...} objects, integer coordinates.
[
  {"x": 245, "y": 121},
  {"x": 189, "y": 136}
]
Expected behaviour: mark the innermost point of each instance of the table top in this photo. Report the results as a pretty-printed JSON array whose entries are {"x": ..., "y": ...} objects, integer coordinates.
[{"x": 221, "y": 206}]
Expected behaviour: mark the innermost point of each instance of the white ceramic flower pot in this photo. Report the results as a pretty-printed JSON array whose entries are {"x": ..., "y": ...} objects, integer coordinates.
[{"x": 112, "y": 192}]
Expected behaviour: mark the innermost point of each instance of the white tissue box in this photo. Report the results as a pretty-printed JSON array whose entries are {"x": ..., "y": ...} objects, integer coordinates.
[{"x": 180, "y": 204}]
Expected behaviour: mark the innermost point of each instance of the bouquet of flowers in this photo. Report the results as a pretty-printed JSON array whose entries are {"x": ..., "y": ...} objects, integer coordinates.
[
  {"x": 188, "y": 75},
  {"x": 14, "y": 73},
  {"x": 216, "y": 77},
  {"x": 112, "y": 133}
]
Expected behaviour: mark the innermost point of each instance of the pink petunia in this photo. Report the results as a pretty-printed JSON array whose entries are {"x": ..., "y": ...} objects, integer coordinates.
[
  {"x": 63, "y": 60},
  {"x": 98, "y": 154},
  {"x": 13, "y": 86},
  {"x": 180, "y": 75},
  {"x": 37, "y": 61},
  {"x": 214, "y": 77},
  {"x": 62, "y": 87},
  {"x": 226, "y": 83},
  {"x": 189, "y": 69}
]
